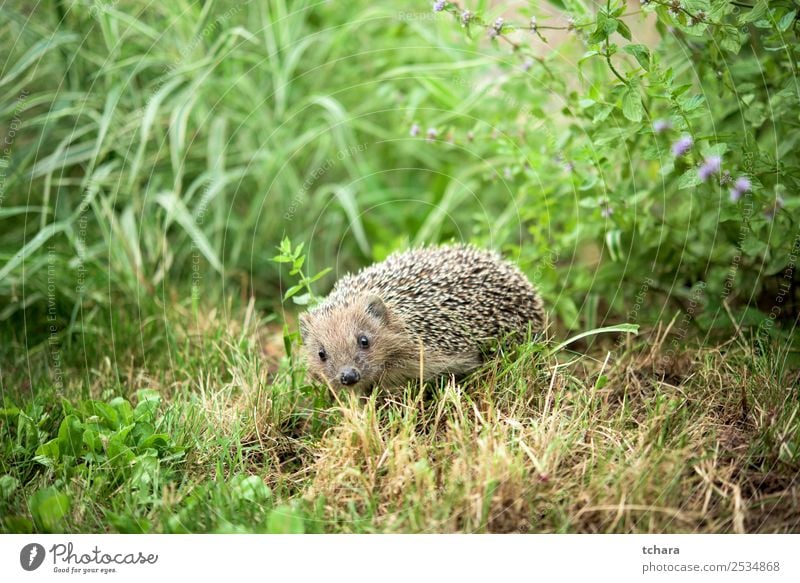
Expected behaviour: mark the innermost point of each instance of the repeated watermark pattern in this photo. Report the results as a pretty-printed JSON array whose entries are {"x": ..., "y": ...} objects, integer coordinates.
[{"x": 14, "y": 127}]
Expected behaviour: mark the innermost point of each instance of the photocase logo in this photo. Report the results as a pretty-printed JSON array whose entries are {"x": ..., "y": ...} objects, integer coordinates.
[{"x": 31, "y": 556}]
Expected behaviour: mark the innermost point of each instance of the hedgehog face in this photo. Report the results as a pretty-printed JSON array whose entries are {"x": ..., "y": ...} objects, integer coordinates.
[{"x": 345, "y": 346}]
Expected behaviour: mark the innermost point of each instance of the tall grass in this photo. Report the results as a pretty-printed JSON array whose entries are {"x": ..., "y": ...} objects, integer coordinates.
[{"x": 170, "y": 148}]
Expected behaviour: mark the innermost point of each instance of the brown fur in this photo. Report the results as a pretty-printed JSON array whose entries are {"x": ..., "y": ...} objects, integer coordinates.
[{"x": 426, "y": 312}]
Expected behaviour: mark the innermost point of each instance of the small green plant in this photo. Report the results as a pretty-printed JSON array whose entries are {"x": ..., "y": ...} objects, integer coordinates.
[
  {"x": 297, "y": 259},
  {"x": 114, "y": 434},
  {"x": 105, "y": 444}
]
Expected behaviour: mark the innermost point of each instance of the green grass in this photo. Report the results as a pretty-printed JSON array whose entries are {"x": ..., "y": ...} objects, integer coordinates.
[
  {"x": 223, "y": 437},
  {"x": 156, "y": 158}
]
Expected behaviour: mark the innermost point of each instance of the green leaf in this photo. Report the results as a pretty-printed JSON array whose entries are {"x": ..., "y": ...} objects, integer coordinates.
[
  {"x": 92, "y": 440},
  {"x": 641, "y": 53},
  {"x": 48, "y": 453},
  {"x": 42, "y": 237},
  {"x": 692, "y": 103},
  {"x": 786, "y": 21},
  {"x": 9, "y": 413},
  {"x": 34, "y": 55},
  {"x": 614, "y": 244},
  {"x": 285, "y": 520},
  {"x": 17, "y": 525},
  {"x": 567, "y": 312},
  {"x": 293, "y": 290},
  {"x": 717, "y": 149},
  {"x": 623, "y": 29},
  {"x": 250, "y": 488},
  {"x": 731, "y": 39},
  {"x": 70, "y": 437},
  {"x": 760, "y": 10},
  {"x": 603, "y": 28},
  {"x": 146, "y": 408},
  {"x": 287, "y": 340},
  {"x": 107, "y": 414},
  {"x": 8, "y": 484},
  {"x": 689, "y": 179},
  {"x": 140, "y": 432},
  {"x": 302, "y": 299},
  {"x": 176, "y": 209},
  {"x": 632, "y": 107},
  {"x": 49, "y": 507},
  {"x": 321, "y": 274},
  {"x": 628, "y": 328},
  {"x": 158, "y": 441},
  {"x": 123, "y": 409},
  {"x": 119, "y": 454}
]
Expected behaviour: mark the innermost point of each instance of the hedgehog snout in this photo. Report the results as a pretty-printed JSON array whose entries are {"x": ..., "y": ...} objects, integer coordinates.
[{"x": 349, "y": 376}]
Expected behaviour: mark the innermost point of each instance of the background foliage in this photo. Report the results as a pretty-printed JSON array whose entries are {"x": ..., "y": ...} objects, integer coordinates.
[{"x": 638, "y": 160}]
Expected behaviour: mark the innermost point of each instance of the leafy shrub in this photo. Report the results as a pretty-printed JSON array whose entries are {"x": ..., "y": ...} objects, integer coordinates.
[
  {"x": 101, "y": 444},
  {"x": 662, "y": 166}
]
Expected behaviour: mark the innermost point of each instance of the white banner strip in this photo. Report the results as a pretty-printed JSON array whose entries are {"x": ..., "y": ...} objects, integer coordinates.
[{"x": 406, "y": 558}]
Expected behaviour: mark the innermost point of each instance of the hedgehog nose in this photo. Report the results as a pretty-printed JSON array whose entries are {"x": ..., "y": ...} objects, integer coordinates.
[{"x": 350, "y": 376}]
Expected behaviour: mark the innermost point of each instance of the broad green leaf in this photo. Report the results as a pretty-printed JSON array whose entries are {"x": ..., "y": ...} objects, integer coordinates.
[
  {"x": 49, "y": 508},
  {"x": 70, "y": 436},
  {"x": 623, "y": 29},
  {"x": 786, "y": 21},
  {"x": 632, "y": 107},
  {"x": 641, "y": 53},
  {"x": 48, "y": 453},
  {"x": 689, "y": 179},
  {"x": 285, "y": 520},
  {"x": 8, "y": 484}
]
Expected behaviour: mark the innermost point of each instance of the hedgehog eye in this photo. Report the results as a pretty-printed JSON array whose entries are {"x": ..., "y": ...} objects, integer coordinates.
[
  {"x": 323, "y": 356},
  {"x": 363, "y": 341}
]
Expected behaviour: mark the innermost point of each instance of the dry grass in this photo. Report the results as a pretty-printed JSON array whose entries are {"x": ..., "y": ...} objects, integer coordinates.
[
  {"x": 628, "y": 438},
  {"x": 636, "y": 442}
]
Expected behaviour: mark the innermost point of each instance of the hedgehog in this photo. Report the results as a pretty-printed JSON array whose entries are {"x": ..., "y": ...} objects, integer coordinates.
[{"x": 418, "y": 315}]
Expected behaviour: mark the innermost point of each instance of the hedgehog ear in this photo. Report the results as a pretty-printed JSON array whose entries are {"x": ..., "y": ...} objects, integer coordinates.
[
  {"x": 304, "y": 326},
  {"x": 377, "y": 309}
]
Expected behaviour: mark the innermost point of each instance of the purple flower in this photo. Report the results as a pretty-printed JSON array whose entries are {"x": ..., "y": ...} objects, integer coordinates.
[
  {"x": 414, "y": 130},
  {"x": 682, "y": 146},
  {"x": 439, "y": 6},
  {"x": 661, "y": 125},
  {"x": 526, "y": 66},
  {"x": 466, "y": 17},
  {"x": 710, "y": 166},
  {"x": 606, "y": 211},
  {"x": 431, "y": 134},
  {"x": 498, "y": 24},
  {"x": 740, "y": 187},
  {"x": 742, "y": 184}
]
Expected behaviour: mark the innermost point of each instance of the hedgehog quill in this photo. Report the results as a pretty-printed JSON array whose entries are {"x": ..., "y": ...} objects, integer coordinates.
[{"x": 421, "y": 313}]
